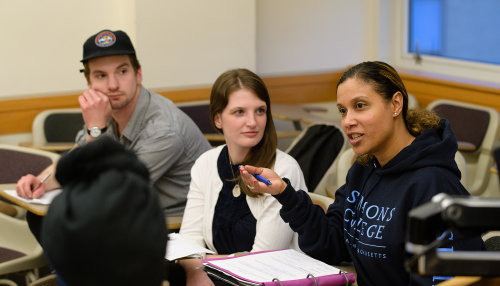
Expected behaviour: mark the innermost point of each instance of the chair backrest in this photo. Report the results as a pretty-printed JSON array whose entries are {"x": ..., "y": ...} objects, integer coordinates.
[
  {"x": 19, "y": 161},
  {"x": 346, "y": 160},
  {"x": 316, "y": 150},
  {"x": 479, "y": 127},
  {"x": 17, "y": 237},
  {"x": 412, "y": 101},
  {"x": 199, "y": 112},
  {"x": 323, "y": 201},
  {"x": 57, "y": 125},
  {"x": 462, "y": 166},
  {"x": 50, "y": 280}
]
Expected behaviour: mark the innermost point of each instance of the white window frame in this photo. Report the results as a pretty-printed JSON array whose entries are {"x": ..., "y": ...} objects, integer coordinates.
[{"x": 459, "y": 68}]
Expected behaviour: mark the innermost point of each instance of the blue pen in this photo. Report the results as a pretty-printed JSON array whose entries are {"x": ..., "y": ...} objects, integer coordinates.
[{"x": 260, "y": 178}]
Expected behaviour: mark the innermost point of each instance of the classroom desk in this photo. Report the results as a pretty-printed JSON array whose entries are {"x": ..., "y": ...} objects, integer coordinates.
[
  {"x": 53, "y": 147},
  {"x": 41, "y": 210},
  {"x": 297, "y": 114},
  {"x": 37, "y": 209},
  {"x": 63, "y": 146},
  {"x": 466, "y": 146},
  {"x": 494, "y": 170},
  {"x": 174, "y": 222}
]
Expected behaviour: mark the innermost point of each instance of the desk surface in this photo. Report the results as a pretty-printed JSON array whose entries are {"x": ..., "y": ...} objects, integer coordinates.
[
  {"x": 466, "y": 146},
  {"x": 55, "y": 147},
  {"x": 34, "y": 208},
  {"x": 296, "y": 112},
  {"x": 41, "y": 210}
]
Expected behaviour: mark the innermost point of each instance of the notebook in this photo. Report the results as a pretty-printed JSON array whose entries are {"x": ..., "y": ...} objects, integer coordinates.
[
  {"x": 285, "y": 267},
  {"x": 45, "y": 199},
  {"x": 178, "y": 247}
]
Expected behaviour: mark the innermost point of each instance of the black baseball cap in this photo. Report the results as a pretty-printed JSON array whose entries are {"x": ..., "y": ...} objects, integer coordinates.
[{"x": 107, "y": 43}]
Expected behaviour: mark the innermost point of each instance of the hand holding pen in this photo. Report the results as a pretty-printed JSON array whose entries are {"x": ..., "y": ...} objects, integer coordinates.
[
  {"x": 260, "y": 178},
  {"x": 38, "y": 186},
  {"x": 271, "y": 182},
  {"x": 42, "y": 181},
  {"x": 24, "y": 186}
]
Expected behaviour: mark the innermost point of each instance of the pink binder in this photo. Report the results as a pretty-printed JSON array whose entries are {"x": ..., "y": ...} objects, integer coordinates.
[{"x": 240, "y": 276}]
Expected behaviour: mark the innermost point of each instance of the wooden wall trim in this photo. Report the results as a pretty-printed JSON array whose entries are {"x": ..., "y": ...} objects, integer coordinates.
[
  {"x": 303, "y": 88},
  {"x": 427, "y": 88},
  {"x": 17, "y": 115}
]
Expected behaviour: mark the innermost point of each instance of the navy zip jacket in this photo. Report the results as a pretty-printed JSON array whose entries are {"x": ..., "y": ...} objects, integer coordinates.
[{"x": 367, "y": 222}]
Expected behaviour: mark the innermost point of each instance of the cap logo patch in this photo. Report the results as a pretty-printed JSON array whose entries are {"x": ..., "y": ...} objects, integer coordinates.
[{"x": 105, "y": 39}]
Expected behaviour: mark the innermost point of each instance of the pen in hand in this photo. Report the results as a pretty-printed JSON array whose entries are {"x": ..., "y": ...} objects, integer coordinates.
[
  {"x": 260, "y": 178},
  {"x": 41, "y": 182}
]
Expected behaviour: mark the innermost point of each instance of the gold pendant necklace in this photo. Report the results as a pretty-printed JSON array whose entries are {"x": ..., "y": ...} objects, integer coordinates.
[{"x": 236, "y": 189}]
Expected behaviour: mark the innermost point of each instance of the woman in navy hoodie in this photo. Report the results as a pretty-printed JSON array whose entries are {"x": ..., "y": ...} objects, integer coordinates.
[{"x": 405, "y": 158}]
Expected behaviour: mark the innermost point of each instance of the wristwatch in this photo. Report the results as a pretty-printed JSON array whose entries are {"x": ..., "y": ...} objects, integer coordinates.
[{"x": 96, "y": 131}]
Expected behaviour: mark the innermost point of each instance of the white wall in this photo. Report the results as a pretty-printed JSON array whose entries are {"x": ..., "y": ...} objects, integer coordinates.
[
  {"x": 179, "y": 43},
  {"x": 190, "y": 43},
  {"x": 296, "y": 36},
  {"x": 42, "y": 41}
]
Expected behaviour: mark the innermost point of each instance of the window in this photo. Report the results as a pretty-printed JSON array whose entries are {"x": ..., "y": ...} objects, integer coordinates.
[
  {"x": 465, "y": 29},
  {"x": 452, "y": 37}
]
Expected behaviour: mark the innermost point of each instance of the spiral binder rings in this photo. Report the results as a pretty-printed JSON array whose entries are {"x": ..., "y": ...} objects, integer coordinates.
[{"x": 285, "y": 267}]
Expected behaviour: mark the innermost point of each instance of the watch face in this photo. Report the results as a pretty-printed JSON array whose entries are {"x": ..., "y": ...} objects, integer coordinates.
[{"x": 95, "y": 132}]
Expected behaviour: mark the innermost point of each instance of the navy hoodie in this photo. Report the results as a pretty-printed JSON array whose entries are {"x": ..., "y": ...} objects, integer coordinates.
[{"x": 367, "y": 222}]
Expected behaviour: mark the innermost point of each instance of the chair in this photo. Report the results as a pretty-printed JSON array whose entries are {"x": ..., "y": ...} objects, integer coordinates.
[
  {"x": 17, "y": 162},
  {"x": 316, "y": 150},
  {"x": 50, "y": 280},
  {"x": 477, "y": 129},
  {"x": 323, "y": 201},
  {"x": 199, "y": 112},
  {"x": 412, "y": 102},
  {"x": 57, "y": 125},
  {"x": 347, "y": 158},
  {"x": 19, "y": 250},
  {"x": 284, "y": 126},
  {"x": 492, "y": 240},
  {"x": 462, "y": 166}
]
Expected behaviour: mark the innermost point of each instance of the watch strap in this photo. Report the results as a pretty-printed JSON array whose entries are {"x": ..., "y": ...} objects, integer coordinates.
[{"x": 102, "y": 130}]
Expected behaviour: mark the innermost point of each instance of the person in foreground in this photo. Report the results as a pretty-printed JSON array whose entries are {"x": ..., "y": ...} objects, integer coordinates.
[
  {"x": 405, "y": 158},
  {"x": 222, "y": 213},
  {"x": 106, "y": 227}
]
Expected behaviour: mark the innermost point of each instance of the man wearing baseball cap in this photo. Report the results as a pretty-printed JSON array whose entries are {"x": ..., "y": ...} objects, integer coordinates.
[{"x": 164, "y": 138}]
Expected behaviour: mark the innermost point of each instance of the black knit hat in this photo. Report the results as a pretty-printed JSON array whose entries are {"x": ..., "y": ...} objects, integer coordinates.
[
  {"x": 107, "y": 43},
  {"x": 106, "y": 227}
]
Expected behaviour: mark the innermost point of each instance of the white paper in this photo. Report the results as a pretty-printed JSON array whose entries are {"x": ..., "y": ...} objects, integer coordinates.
[
  {"x": 44, "y": 199},
  {"x": 178, "y": 247},
  {"x": 286, "y": 264}
]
